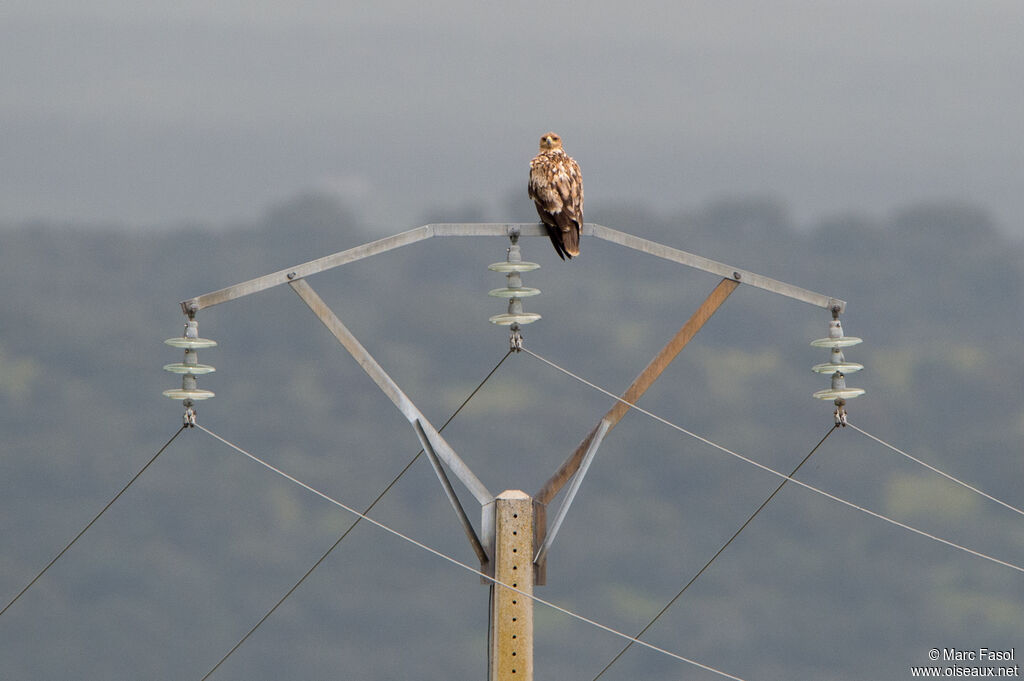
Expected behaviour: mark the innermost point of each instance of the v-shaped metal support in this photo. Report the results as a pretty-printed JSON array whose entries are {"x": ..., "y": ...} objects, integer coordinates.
[
  {"x": 575, "y": 467},
  {"x": 436, "y": 447}
]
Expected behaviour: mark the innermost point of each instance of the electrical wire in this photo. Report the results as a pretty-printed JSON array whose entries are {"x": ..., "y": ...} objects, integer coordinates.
[
  {"x": 776, "y": 473},
  {"x": 936, "y": 470},
  {"x": 95, "y": 518},
  {"x": 351, "y": 527},
  {"x": 717, "y": 554},
  {"x": 462, "y": 565}
]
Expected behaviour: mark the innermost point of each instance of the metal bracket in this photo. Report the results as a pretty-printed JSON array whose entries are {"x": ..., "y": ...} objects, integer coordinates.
[
  {"x": 188, "y": 419},
  {"x": 515, "y": 339},
  {"x": 840, "y": 412}
]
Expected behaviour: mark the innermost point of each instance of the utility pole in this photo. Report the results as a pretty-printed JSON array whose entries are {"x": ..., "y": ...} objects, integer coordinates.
[
  {"x": 514, "y": 536},
  {"x": 511, "y": 625}
]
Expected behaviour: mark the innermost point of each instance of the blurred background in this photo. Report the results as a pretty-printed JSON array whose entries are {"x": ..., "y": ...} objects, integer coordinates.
[
  {"x": 153, "y": 153},
  {"x": 149, "y": 114}
]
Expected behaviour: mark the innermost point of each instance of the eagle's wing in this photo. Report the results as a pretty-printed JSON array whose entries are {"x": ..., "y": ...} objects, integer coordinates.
[
  {"x": 569, "y": 182},
  {"x": 556, "y": 187}
]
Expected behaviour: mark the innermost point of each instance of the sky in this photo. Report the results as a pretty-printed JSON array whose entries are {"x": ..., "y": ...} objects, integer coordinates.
[{"x": 152, "y": 114}]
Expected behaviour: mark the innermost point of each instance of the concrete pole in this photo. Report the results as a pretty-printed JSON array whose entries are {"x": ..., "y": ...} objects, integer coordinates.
[{"x": 511, "y": 612}]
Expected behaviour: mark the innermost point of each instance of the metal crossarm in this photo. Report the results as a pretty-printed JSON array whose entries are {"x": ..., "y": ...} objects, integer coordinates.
[
  {"x": 715, "y": 267},
  {"x": 193, "y": 305}
]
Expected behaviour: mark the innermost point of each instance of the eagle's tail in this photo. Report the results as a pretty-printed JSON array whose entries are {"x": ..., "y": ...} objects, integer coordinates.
[
  {"x": 571, "y": 240},
  {"x": 556, "y": 236}
]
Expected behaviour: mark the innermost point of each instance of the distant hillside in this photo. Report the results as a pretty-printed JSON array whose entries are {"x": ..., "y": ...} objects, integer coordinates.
[{"x": 197, "y": 551}]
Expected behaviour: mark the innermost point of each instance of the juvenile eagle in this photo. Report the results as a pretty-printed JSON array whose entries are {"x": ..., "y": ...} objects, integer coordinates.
[{"x": 556, "y": 187}]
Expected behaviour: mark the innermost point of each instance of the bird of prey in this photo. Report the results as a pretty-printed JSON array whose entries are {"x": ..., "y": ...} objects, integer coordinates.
[{"x": 556, "y": 187}]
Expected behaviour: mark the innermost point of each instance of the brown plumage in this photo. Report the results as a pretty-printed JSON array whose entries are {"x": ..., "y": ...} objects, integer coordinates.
[{"x": 556, "y": 187}]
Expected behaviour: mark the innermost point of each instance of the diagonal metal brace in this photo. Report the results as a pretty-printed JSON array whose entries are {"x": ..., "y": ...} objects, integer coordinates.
[
  {"x": 467, "y": 526},
  {"x": 639, "y": 386},
  {"x": 574, "y": 486},
  {"x": 391, "y": 389}
]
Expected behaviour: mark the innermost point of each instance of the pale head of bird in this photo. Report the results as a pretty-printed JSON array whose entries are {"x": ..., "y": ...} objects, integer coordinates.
[{"x": 549, "y": 141}]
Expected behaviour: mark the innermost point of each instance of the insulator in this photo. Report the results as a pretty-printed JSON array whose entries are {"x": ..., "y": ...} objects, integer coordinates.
[
  {"x": 513, "y": 267},
  {"x": 837, "y": 366},
  {"x": 513, "y": 261},
  {"x": 514, "y": 288},
  {"x": 837, "y": 363},
  {"x": 835, "y": 338},
  {"x": 839, "y": 389},
  {"x": 521, "y": 292},
  {"x": 188, "y": 390},
  {"x": 509, "y": 318},
  {"x": 191, "y": 343},
  {"x": 515, "y": 315},
  {"x": 190, "y": 367},
  {"x": 183, "y": 394},
  {"x": 185, "y": 368}
]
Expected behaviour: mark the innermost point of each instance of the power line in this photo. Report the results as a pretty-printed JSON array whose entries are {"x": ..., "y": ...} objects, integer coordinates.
[
  {"x": 351, "y": 527},
  {"x": 717, "y": 553},
  {"x": 462, "y": 565},
  {"x": 97, "y": 517},
  {"x": 936, "y": 470},
  {"x": 776, "y": 473}
]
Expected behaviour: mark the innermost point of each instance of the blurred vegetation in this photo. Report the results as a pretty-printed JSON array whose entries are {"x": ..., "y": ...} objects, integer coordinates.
[{"x": 205, "y": 542}]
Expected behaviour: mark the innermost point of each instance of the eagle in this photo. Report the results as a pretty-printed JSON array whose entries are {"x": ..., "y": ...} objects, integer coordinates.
[{"x": 556, "y": 187}]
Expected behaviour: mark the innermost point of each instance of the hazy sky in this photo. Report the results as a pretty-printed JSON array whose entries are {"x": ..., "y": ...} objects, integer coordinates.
[{"x": 150, "y": 113}]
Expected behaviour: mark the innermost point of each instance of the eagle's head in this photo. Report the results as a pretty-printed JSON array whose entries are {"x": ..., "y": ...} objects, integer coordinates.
[{"x": 549, "y": 141}]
